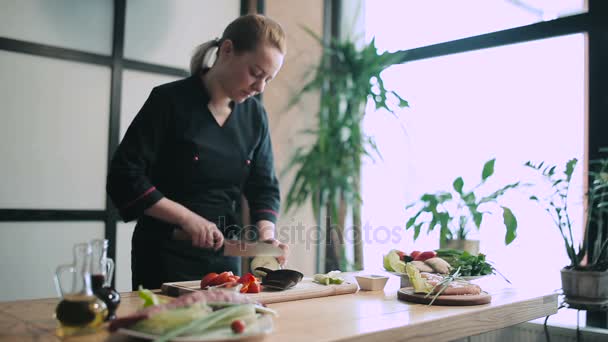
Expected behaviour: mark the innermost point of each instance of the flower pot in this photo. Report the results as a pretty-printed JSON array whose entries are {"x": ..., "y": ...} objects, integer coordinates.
[
  {"x": 591, "y": 285},
  {"x": 471, "y": 246}
]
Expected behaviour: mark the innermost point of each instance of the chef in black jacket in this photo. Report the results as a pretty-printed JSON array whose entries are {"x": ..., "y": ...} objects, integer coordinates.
[{"x": 195, "y": 146}]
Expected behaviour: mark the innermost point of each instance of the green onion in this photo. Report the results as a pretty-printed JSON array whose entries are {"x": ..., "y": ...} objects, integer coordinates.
[{"x": 199, "y": 324}]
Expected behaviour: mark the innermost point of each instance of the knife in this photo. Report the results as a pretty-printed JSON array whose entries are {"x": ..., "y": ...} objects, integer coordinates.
[{"x": 238, "y": 247}]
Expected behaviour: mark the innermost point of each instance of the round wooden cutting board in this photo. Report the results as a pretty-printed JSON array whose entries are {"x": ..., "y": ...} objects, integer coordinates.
[{"x": 407, "y": 294}]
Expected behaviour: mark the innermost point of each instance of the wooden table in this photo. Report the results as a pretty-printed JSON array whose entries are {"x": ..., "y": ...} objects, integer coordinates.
[{"x": 363, "y": 316}]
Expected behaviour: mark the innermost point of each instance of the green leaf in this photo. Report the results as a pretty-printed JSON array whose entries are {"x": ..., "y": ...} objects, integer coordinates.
[
  {"x": 510, "y": 222},
  {"x": 411, "y": 221},
  {"x": 477, "y": 218},
  {"x": 458, "y": 184},
  {"x": 417, "y": 230},
  {"x": 428, "y": 198},
  {"x": 488, "y": 169},
  {"x": 570, "y": 168}
]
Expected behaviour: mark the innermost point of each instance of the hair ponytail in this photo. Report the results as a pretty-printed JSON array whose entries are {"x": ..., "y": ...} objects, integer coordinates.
[
  {"x": 246, "y": 33},
  {"x": 201, "y": 59}
]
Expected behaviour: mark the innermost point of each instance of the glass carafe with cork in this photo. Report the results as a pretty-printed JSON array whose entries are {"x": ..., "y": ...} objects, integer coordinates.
[{"x": 79, "y": 311}]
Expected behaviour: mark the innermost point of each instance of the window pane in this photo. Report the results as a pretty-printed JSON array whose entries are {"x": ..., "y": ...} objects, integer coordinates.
[
  {"x": 166, "y": 32},
  {"x": 28, "y": 268},
  {"x": 136, "y": 88},
  {"x": 124, "y": 231},
  {"x": 410, "y": 24},
  {"x": 75, "y": 24},
  {"x": 54, "y": 133},
  {"x": 516, "y": 103}
]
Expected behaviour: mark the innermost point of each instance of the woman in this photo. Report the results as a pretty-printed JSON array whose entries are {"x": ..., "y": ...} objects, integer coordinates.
[{"x": 196, "y": 145}]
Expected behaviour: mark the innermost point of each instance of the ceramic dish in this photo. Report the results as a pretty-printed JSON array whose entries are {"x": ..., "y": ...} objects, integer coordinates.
[{"x": 371, "y": 282}]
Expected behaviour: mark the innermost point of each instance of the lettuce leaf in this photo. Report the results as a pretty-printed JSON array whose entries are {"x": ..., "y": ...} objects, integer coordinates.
[{"x": 420, "y": 284}]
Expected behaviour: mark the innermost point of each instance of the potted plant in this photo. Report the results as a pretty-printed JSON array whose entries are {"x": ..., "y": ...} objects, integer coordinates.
[
  {"x": 457, "y": 211},
  {"x": 328, "y": 172},
  {"x": 586, "y": 276}
]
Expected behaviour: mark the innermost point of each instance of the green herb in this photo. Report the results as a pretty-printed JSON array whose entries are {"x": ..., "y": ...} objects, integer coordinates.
[{"x": 470, "y": 265}]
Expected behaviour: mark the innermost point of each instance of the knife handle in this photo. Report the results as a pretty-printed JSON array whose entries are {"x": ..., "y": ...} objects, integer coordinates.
[{"x": 180, "y": 235}]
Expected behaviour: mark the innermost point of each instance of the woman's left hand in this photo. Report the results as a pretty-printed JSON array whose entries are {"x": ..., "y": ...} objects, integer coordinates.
[{"x": 281, "y": 259}]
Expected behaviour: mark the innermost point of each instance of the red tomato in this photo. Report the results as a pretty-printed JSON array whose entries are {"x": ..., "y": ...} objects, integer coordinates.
[
  {"x": 230, "y": 284},
  {"x": 414, "y": 254},
  {"x": 245, "y": 288},
  {"x": 401, "y": 255},
  {"x": 207, "y": 279},
  {"x": 224, "y": 277},
  {"x": 234, "y": 278},
  {"x": 238, "y": 326},
  {"x": 425, "y": 255},
  {"x": 247, "y": 278},
  {"x": 254, "y": 287}
]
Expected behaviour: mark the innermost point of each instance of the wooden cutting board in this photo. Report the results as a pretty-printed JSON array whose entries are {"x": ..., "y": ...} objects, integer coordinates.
[
  {"x": 407, "y": 294},
  {"x": 305, "y": 289}
]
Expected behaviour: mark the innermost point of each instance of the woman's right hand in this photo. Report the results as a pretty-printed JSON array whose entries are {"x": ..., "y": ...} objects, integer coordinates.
[{"x": 202, "y": 232}]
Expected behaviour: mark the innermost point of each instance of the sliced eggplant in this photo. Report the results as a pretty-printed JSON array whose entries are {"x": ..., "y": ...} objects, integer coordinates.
[{"x": 279, "y": 279}]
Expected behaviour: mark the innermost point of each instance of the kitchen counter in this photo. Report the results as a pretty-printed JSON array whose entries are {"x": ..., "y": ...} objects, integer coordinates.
[{"x": 363, "y": 316}]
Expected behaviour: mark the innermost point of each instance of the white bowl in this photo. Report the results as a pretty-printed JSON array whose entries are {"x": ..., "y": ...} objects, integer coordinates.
[{"x": 371, "y": 282}]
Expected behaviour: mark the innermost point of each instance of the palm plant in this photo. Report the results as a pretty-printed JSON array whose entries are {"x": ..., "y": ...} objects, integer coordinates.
[
  {"x": 328, "y": 172},
  {"x": 556, "y": 204}
]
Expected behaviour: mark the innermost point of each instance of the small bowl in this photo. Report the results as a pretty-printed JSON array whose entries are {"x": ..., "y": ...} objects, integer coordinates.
[{"x": 371, "y": 282}]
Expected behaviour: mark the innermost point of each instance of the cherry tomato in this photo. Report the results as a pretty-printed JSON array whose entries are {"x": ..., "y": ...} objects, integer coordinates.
[
  {"x": 425, "y": 255},
  {"x": 207, "y": 279},
  {"x": 238, "y": 326},
  {"x": 414, "y": 254}
]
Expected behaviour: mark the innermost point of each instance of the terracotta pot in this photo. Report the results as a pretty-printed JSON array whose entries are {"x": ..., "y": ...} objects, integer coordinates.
[
  {"x": 471, "y": 246},
  {"x": 585, "y": 284}
]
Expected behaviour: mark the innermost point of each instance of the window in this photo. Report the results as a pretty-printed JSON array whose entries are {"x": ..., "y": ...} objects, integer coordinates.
[
  {"x": 421, "y": 23},
  {"x": 516, "y": 103}
]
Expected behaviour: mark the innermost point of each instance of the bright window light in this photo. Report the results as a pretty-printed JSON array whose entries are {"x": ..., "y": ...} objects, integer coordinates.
[{"x": 514, "y": 103}]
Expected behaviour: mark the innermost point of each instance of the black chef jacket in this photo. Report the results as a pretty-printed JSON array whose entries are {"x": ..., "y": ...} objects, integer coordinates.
[{"x": 175, "y": 148}]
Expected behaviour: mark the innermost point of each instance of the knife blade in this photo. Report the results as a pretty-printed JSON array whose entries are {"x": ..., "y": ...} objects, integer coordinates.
[
  {"x": 250, "y": 248},
  {"x": 238, "y": 247}
]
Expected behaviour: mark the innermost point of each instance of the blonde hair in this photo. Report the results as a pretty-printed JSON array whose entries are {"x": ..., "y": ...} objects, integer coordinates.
[{"x": 246, "y": 33}]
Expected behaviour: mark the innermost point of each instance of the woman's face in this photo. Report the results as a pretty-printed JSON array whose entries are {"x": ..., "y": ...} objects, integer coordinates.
[{"x": 247, "y": 74}]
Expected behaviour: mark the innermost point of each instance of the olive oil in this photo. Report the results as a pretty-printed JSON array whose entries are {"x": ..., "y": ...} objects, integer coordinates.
[{"x": 80, "y": 314}]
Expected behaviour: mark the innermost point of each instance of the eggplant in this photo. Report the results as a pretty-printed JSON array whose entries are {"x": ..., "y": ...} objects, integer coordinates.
[{"x": 279, "y": 279}]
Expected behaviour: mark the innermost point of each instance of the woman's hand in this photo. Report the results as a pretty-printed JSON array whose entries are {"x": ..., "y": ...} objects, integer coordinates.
[
  {"x": 281, "y": 259},
  {"x": 202, "y": 232}
]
